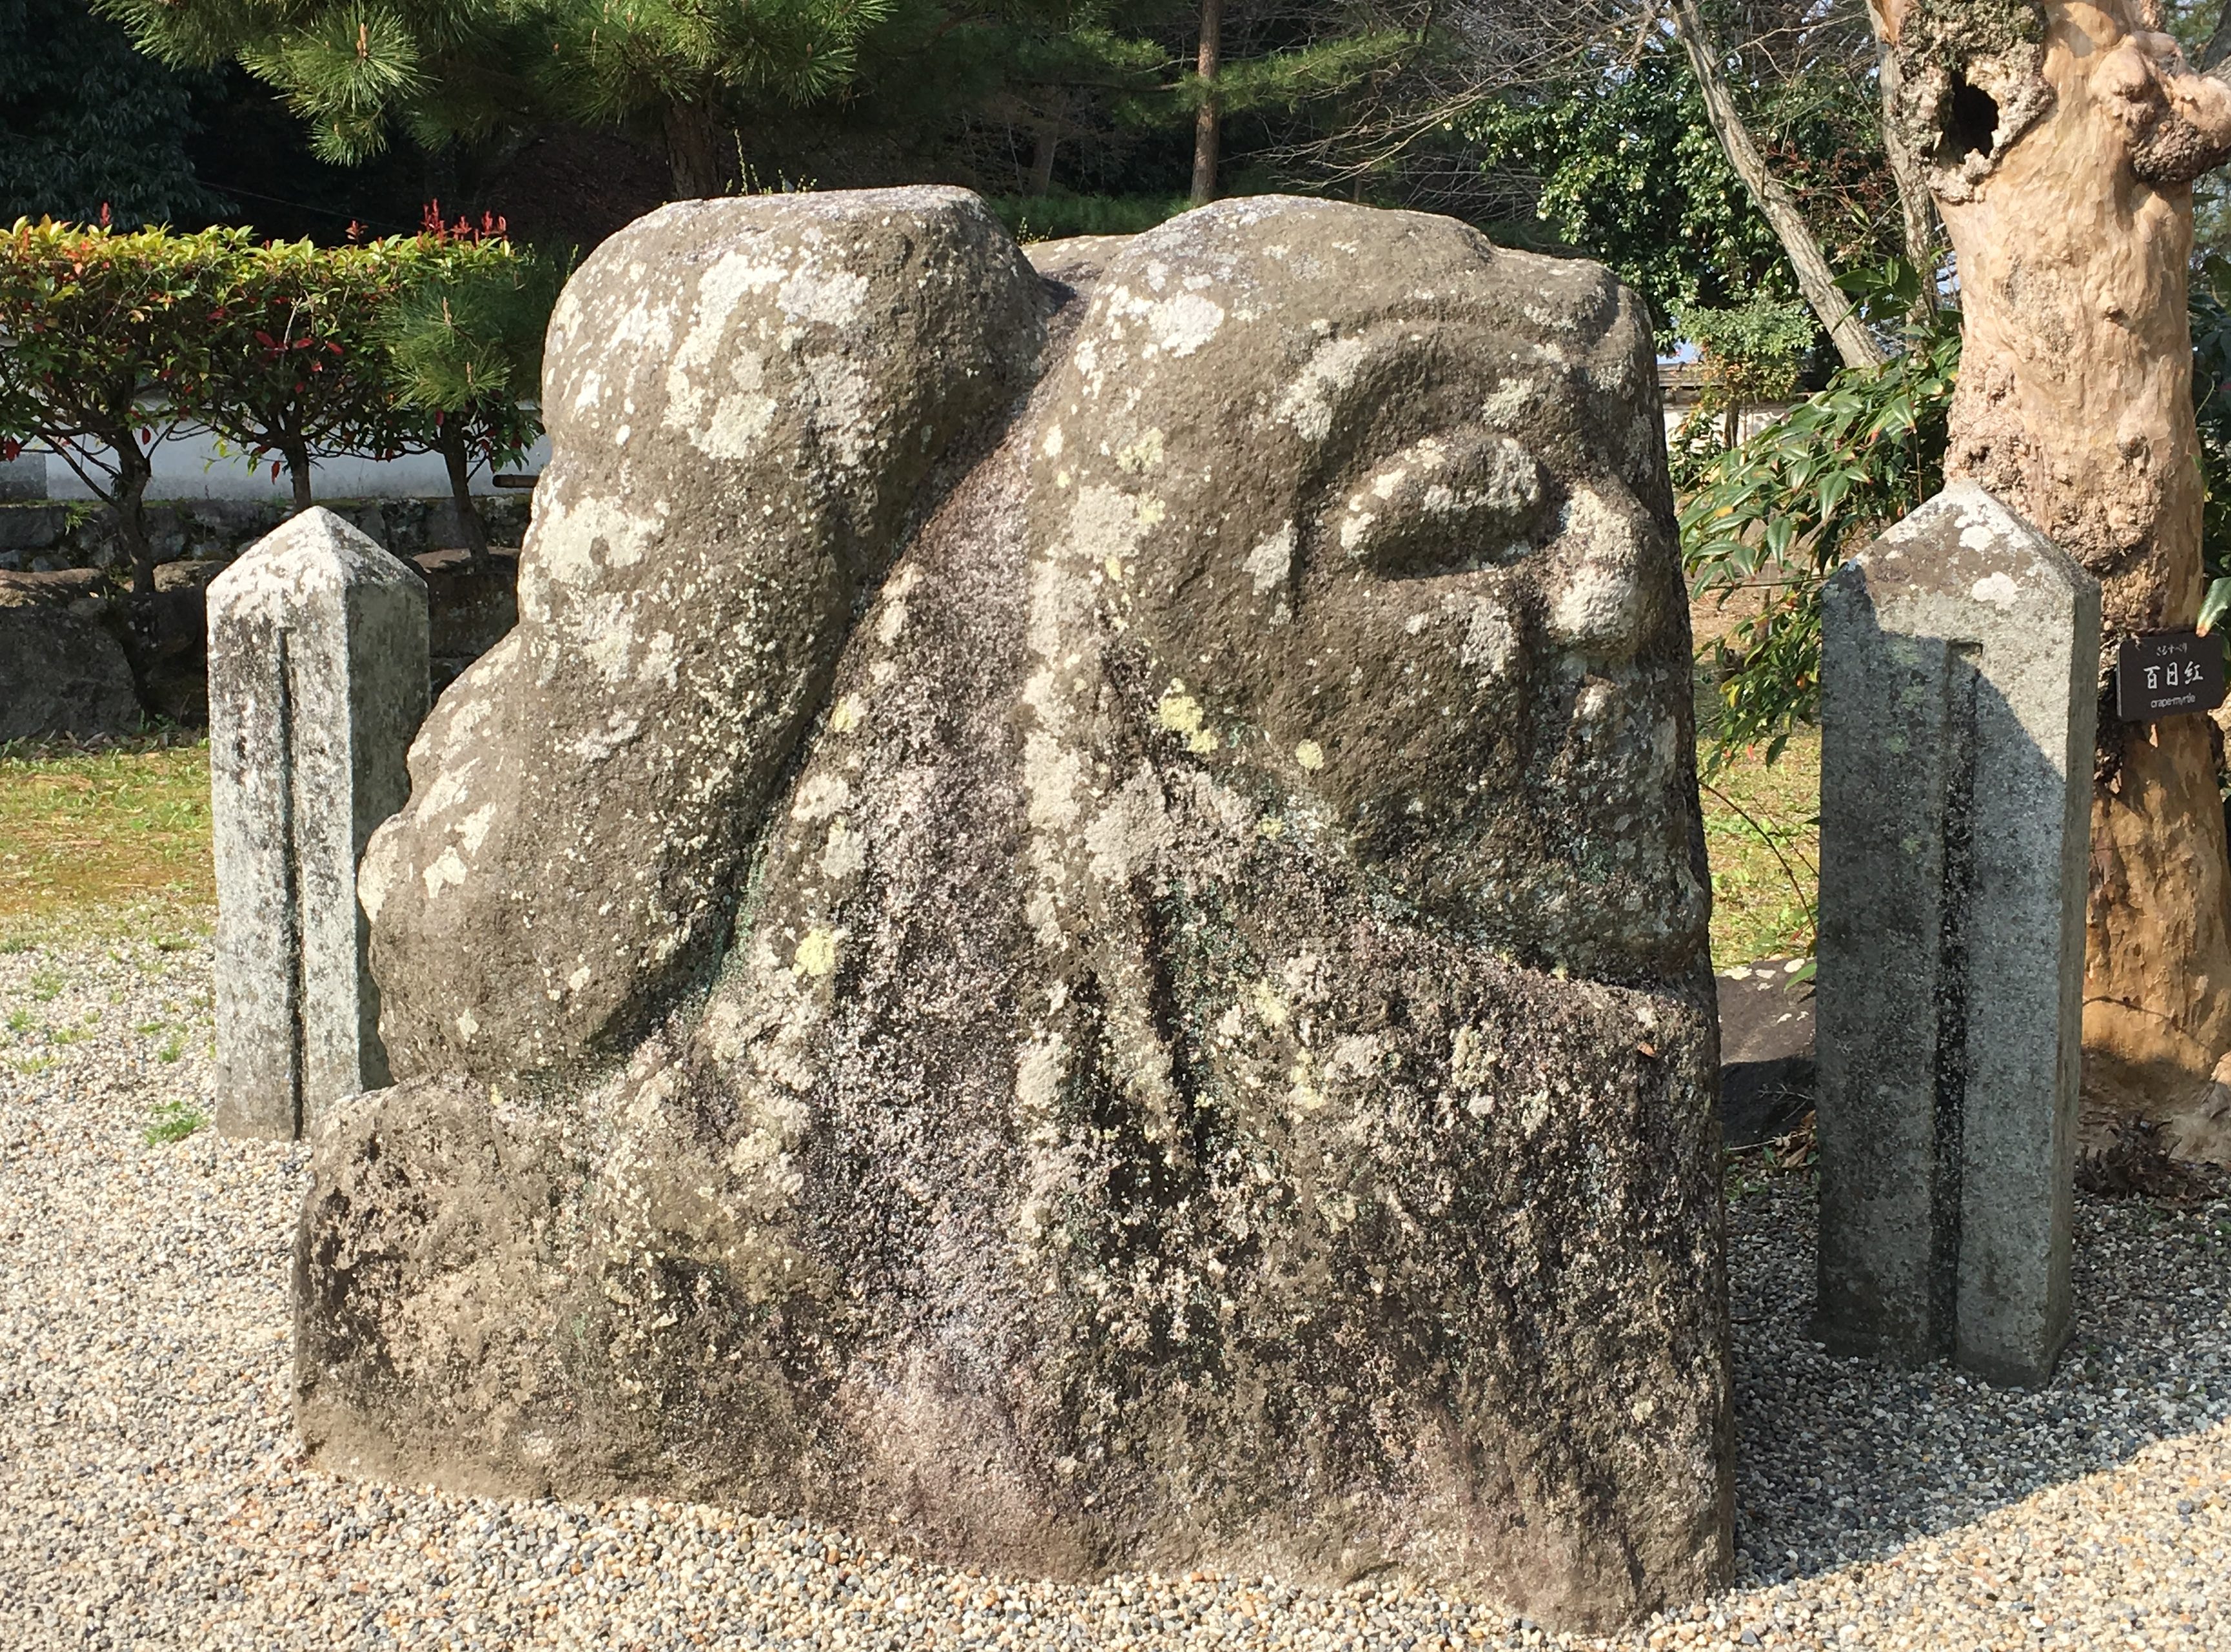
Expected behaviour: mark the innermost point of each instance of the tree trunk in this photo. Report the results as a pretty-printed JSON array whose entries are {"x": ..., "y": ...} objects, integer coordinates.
[
  {"x": 1041, "y": 179},
  {"x": 297, "y": 455},
  {"x": 693, "y": 152},
  {"x": 133, "y": 472},
  {"x": 1814, "y": 278},
  {"x": 1206, "y": 132},
  {"x": 2060, "y": 141},
  {"x": 459, "y": 464},
  {"x": 1916, "y": 209}
]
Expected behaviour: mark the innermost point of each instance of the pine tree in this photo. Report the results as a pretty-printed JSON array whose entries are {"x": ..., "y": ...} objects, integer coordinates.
[
  {"x": 462, "y": 338},
  {"x": 690, "y": 71},
  {"x": 998, "y": 90}
]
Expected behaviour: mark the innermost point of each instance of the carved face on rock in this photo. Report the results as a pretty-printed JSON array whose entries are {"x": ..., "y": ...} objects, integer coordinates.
[
  {"x": 1368, "y": 519},
  {"x": 1107, "y": 1138}
]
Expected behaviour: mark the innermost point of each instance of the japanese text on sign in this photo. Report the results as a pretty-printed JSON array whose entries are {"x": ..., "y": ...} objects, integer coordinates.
[{"x": 2168, "y": 674}]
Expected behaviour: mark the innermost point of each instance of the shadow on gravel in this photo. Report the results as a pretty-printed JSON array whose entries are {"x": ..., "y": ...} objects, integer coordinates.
[{"x": 1840, "y": 1460}]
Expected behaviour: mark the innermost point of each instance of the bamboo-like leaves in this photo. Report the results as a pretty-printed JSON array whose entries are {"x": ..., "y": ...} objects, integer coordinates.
[{"x": 1769, "y": 519}]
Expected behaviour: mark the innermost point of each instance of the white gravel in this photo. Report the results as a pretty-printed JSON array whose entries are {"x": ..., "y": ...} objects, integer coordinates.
[{"x": 151, "y": 1495}]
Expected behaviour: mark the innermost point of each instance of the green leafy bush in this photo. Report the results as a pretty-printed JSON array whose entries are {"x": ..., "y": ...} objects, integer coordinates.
[
  {"x": 105, "y": 347},
  {"x": 112, "y": 343},
  {"x": 1774, "y": 515},
  {"x": 462, "y": 340},
  {"x": 1754, "y": 350},
  {"x": 294, "y": 366},
  {"x": 1778, "y": 513}
]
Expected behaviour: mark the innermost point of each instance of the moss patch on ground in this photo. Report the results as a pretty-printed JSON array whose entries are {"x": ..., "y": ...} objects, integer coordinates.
[{"x": 92, "y": 840}]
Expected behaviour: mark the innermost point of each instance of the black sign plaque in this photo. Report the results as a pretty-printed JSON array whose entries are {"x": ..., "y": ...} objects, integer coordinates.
[{"x": 2168, "y": 674}]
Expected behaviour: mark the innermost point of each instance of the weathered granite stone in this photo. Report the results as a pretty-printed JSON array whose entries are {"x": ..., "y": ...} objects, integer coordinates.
[
  {"x": 317, "y": 664},
  {"x": 745, "y": 398},
  {"x": 470, "y": 610},
  {"x": 1211, "y": 1060},
  {"x": 167, "y": 638},
  {"x": 1958, "y": 694},
  {"x": 63, "y": 675},
  {"x": 61, "y": 670}
]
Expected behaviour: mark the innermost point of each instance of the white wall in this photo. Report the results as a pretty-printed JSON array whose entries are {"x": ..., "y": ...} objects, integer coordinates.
[{"x": 191, "y": 467}]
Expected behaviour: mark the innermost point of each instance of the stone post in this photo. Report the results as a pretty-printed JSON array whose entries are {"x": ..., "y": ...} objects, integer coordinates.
[
  {"x": 1959, "y": 690},
  {"x": 317, "y": 678}
]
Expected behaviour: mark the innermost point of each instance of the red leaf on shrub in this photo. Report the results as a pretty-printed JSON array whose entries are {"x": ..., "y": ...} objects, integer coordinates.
[{"x": 275, "y": 470}]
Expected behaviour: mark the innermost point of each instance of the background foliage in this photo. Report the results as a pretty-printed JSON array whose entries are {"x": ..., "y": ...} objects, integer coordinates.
[
  {"x": 86, "y": 121},
  {"x": 1768, "y": 520},
  {"x": 1765, "y": 523},
  {"x": 112, "y": 341}
]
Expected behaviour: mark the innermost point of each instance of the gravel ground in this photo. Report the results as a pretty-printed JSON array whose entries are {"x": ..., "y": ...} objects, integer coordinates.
[{"x": 151, "y": 1495}]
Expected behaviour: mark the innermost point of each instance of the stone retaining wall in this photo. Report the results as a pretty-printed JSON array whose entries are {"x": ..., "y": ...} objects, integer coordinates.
[
  {"x": 42, "y": 535},
  {"x": 77, "y": 656}
]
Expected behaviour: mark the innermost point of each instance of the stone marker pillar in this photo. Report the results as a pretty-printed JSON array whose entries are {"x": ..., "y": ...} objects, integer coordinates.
[
  {"x": 1959, "y": 689},
  {"x": 317, "y": 678}
]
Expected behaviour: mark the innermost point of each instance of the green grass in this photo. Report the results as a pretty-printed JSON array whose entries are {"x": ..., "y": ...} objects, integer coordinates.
[
  {"x": 117, "y": 842},
  {"x": 1056, "y": 217},
  {"x": 106, "y": 840},
  {"x": 174, "y": 1122},
  {"x": 1762, "y": 836}
]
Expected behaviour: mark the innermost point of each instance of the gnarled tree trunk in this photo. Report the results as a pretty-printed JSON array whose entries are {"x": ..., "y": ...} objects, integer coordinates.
[{"x": 2060, "y": 141}]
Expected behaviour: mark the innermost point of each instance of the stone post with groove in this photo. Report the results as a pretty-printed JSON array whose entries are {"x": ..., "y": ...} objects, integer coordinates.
[
  {"x": 1959, "y": 680},
  {"x": 317, "y": 681}
]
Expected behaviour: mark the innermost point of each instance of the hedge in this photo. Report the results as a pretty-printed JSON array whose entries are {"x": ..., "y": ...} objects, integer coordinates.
[{"x": 113, "y": 342}]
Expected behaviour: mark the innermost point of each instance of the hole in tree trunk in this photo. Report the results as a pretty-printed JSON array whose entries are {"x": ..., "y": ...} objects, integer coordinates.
[{"x": 1969, "y": 124}]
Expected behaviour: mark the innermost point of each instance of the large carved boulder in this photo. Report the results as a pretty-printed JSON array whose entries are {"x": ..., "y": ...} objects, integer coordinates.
[{"x": 1198, "y": 1045}]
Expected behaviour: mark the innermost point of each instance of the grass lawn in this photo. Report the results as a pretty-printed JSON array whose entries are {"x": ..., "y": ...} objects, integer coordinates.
[
  {"x": 99, "y": 838},
  {"x": 89, "y": 839},
  {"x": 1762, "y": 834}
]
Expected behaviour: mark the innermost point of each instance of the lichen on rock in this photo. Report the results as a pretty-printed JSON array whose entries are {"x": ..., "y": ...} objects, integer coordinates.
[{"x": 1211, "y": 1057}]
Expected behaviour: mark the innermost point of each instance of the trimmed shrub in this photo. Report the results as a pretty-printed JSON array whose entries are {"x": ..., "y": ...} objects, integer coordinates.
[
  {"x": 106, "y": 348},
  {"x": 111, "y": 343}
]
